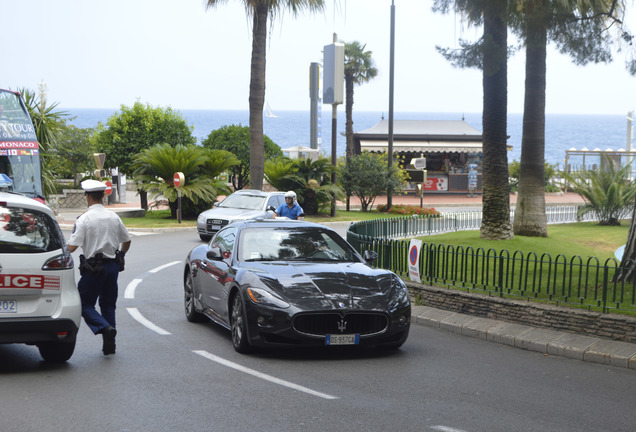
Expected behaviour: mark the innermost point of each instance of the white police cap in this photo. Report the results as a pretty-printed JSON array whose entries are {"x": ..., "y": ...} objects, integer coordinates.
[{"x": 93, "y": 186}]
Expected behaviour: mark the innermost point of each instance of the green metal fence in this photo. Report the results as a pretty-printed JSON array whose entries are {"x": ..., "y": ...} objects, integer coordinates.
[{"x": 556, "y": 279}]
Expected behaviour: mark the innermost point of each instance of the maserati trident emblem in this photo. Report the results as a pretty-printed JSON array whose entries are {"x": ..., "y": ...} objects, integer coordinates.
[{"x": 342, "y": 326}]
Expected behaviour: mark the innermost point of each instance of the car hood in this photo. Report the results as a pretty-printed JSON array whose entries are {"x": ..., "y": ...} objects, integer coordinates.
[
  {"x": 319, "y": 286},
  {"x": 231, "y": 213}
]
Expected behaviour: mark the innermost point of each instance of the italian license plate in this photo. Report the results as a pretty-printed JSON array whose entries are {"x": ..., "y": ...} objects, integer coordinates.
[
  {"x": 346, "y": 339},
  {"x": 215, "y": 227},
  {"x": 8, "y": 306}
]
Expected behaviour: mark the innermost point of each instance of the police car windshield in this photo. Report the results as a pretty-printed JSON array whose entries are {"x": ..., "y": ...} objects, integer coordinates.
[{"x": 243, "y": 201}]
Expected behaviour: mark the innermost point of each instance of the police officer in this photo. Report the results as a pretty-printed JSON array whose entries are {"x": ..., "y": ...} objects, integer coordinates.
[
  {"x": 290, "y": 209},
  {"x": 103, "y": 238}
]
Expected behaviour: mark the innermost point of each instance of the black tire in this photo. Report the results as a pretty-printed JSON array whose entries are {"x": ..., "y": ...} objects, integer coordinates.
[
  {"x": 238, "y": 325},
  {"x": 188, "y": 301},
  {"x": 205, "y": 238},
  {"x": 57, "y": 352}
]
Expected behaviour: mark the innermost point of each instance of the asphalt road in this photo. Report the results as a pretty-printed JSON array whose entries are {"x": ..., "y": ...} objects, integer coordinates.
[{"x": 172, "y": 375}]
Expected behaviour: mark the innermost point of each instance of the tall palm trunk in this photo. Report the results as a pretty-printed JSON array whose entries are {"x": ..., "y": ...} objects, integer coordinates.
[
  {"x": 496, "y": 188},
  {"x": 257, "y": 96},
  {"x": 349, "y": 114},
  {"x": 349, "y": 123},
  {"x": 530, "y": 217}
]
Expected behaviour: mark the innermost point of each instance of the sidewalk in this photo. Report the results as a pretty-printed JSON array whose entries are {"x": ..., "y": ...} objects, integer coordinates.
[
  {"x": 546, "y": 341},
  {"x": 461, "y": 200}
]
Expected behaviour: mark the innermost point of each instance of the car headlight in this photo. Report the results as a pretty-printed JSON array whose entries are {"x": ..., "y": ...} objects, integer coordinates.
[
  {"x": 265, "y": 298},
  {"x": 400, "y": 296},
  {"x": 201, "y": 218}
]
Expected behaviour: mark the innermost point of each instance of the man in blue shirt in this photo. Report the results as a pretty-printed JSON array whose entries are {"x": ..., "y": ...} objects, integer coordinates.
[{"x": 290, "y": 209}]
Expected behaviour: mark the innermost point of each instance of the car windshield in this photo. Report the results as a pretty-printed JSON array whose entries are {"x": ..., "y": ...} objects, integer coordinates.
[
  {"x": 27, "y": 231},
  {"x": 243, "y": 201},
  {"x": 293, "y": 244}
]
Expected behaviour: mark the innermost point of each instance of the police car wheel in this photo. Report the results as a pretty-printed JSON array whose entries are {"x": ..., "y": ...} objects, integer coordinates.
[{"x": 57, "y": 352}]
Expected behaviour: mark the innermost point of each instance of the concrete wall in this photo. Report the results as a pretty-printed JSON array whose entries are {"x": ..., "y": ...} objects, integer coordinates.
[{"x": 611, "y": 326}]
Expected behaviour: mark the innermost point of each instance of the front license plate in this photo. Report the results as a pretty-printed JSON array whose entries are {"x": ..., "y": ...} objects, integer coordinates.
[
  {"x": 348, "y": 339},
  {"x": 214, "y": 227},
  {"x": 8, "y": 306}
]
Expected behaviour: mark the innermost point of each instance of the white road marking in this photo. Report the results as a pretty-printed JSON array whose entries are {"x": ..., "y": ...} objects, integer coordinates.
[
  {"x": 130, "y": 288},
  {"x": 129, "y": 293},
  {"x": 134, "y": 312},
  {"x": 156, "y": 269},
  {"x": 262, "y": 376},
  {"x": 446, "y": 429}
]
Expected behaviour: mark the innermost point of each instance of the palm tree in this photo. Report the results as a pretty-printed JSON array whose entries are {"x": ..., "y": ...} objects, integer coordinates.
[
  {"x": 260, "y": 11},
  {"x": 530, "y": 218},
  {"x": 48, "y": 124},
  {"x": 358, "y": 69},
  {"x": 495, "y": 224},
  {"x": 154, "y": 168},
  {"x": 579, "y": 29},
  {"x": 490, "y": 55},
  {"x": 608, "y": 192}
]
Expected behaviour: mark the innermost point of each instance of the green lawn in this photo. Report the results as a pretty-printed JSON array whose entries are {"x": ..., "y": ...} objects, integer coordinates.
[{"x": 583, "y": 239}]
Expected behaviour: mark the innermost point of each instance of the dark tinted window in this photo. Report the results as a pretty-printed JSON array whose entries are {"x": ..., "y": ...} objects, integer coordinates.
[{"x": 225, "y": 240}]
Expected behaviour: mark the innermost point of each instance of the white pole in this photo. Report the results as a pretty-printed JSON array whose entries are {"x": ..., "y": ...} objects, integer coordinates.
[{"x": 630, "y": 134}]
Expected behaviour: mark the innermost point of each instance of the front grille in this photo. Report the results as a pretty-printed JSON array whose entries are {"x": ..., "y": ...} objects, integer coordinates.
[
  {"x": 334, "y": 323},
  {"x": 217, "y": 222}
]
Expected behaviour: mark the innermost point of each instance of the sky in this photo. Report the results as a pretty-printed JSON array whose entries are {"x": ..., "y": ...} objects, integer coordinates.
[{"x": 177, "y": 53}]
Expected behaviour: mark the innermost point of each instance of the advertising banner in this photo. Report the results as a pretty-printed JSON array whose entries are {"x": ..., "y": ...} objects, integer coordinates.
[{"x": 436, "y": 184}]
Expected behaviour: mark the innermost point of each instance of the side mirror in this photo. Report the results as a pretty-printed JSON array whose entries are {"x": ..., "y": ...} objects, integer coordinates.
[
  {"x": 271, "y": 208},
  {"x": 216, "y": 204},
  {"x": 214, "y": 254},
  {"x": 370, "y": 255}
]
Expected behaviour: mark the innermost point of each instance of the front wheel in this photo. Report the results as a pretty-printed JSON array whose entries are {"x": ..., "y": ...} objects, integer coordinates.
[
  {"x": 238, "y": 325},
  {"x": 188, "y": 301},
  {"x": 57, "y": 352}
]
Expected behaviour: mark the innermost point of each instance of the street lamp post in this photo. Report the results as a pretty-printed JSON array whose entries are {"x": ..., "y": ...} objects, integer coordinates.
[{"x": 389, "y": 194}]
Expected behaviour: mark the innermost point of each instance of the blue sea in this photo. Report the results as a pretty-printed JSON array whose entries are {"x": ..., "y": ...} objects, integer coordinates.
[{"x": 291, "y": 128}]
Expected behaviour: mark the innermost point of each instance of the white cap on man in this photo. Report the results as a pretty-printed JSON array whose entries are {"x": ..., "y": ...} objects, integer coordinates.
[{"x": 93, "y": 186}]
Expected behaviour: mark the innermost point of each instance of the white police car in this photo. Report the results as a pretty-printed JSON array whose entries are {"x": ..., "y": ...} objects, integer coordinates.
[{"x": 39, "y": 301}]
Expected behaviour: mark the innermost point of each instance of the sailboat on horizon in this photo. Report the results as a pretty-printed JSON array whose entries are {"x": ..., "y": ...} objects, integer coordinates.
[{"x": 268, "y": 111}]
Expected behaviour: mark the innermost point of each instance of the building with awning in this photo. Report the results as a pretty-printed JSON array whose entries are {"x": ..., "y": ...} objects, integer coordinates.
[
  {"x": 301, "y": 152},
  {"x": 450, "y": 147}
]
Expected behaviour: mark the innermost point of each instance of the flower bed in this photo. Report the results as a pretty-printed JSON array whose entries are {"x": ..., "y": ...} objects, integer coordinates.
[{"x": 409, "y": 210}]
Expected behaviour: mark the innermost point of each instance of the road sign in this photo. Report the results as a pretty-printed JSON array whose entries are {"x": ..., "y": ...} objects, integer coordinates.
[
  {"x": 109, "y": 188},
  {"x": 178, "y": 179}
]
